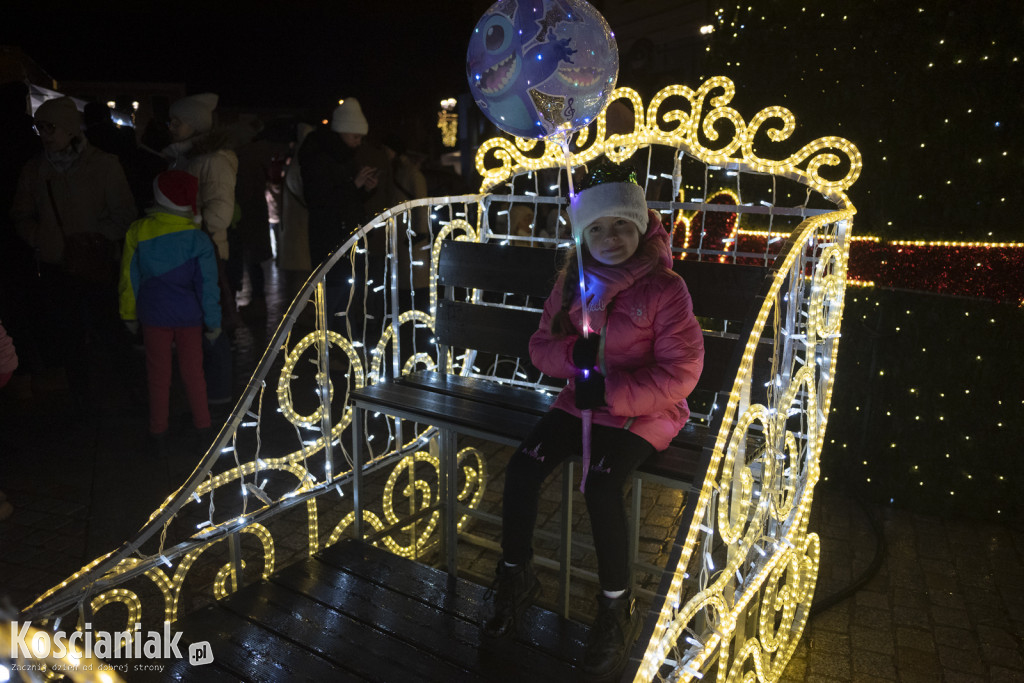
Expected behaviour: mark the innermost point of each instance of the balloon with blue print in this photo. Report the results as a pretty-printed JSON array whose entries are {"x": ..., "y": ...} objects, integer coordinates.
[{"x": 542, "y": 68}]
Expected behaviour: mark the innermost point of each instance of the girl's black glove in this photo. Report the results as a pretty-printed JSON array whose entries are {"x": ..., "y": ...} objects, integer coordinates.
[
  {"x": 584, "y": 351},
  {"x": 590, "y": 390}
]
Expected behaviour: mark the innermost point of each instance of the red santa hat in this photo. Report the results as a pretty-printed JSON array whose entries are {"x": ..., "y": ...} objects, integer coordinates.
[{"x": 176, "y": 192}]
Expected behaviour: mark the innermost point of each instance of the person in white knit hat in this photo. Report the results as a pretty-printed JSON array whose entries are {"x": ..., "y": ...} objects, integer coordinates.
[
  {"x": 348, "y": 119},
  {"x": 204, "y": 151},
  {"x": 194, "y": 111},
  {"x": 336, "y": 189}
]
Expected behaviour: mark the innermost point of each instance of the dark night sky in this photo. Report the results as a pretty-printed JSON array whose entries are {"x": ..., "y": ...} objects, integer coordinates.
[
  {"x": 286, "y": 53},
  {"x": 930, "y": 92}
]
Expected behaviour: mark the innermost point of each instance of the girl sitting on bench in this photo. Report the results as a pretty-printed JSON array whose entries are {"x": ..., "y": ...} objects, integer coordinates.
[{"x": 633, "y": 371}]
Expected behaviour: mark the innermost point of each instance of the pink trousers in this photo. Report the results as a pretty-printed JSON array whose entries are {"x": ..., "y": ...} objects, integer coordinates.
[{"x": 189, "y": 342}]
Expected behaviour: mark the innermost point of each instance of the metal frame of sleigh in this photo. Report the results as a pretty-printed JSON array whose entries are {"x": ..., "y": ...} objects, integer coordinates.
[{"x": 736, "y": 589}]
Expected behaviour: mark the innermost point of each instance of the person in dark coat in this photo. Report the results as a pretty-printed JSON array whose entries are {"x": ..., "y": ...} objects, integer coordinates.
[
  {"x": 336, "y": 190},
  {"x": 250, "y": 240},
  {"x": 19, "y": 143},
  {"x": 103, "y": 133}
]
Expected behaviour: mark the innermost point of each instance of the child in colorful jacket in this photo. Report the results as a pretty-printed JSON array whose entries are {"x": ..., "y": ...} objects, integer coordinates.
[
  {"x": 633, "y": 372},
  {"x": 169, "y": 284}
]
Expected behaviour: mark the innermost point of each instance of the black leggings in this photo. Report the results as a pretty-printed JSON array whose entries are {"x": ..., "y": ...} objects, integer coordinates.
[{"x": 615, "y": 453}]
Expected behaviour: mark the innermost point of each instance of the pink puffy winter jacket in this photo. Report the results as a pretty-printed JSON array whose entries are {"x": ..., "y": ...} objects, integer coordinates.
[
  {"x": 8, "y": 357},
  {"x": 652, "y": 352}
]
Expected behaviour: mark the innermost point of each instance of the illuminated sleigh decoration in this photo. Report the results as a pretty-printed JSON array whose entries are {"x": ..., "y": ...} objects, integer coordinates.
[{"x": 736, "y": 591}]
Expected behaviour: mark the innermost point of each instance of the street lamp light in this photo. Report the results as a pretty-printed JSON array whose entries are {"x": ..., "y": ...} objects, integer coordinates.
[{"x": 448, "y": 122}]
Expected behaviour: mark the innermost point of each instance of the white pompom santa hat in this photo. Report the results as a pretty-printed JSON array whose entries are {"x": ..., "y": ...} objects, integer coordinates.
[{"x": 176, "y": 192}]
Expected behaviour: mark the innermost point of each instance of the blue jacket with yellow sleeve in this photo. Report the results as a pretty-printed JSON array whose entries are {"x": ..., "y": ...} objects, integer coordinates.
[{"x": 169, "y": 273}]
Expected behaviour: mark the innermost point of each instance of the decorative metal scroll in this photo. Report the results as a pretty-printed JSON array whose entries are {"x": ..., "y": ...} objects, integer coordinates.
[{"x": 696, "y": 129}]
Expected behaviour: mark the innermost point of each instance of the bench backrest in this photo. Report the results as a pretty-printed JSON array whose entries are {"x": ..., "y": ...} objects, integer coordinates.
[
  {"x": 520, "y": 277},
  {"x": 725, "y": 298},
  {"x": 513, "y": 282}
]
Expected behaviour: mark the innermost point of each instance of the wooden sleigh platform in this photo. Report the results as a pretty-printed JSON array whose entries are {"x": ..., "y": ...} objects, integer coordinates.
[{"x": 358, "y": 613}]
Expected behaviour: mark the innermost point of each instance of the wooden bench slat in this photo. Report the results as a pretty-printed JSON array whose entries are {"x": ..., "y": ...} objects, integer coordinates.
[
  {"x": 498, "y": 267},
  {"x": 718, "y": 371},
  {"x": 490, "y": 329},
  {"x": 674, "y": 464},
  {"x": 518, "y": 398},
  {"x": 505, "y": 414},
  {"x": 465, "y": 415},
  {"x": 719, "y": 290}
]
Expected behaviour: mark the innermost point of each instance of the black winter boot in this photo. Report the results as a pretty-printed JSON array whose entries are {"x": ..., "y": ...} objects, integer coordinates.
[
  {"x": 514, "y": 588},
  {"x": 616, "y": 627}
]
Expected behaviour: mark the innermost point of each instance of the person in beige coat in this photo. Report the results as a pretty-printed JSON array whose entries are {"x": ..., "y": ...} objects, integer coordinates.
[
  {"x": 71, "y": 188},
  {"x": 72, "y": 207},
  {"x": 205, "y": 152}
]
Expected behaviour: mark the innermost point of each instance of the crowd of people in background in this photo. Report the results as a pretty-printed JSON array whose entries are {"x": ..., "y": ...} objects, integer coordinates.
[{"x": 84, "y": 203}]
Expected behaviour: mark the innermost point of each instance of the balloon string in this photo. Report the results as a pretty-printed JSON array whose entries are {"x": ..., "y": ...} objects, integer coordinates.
[
  {"x": 586, "y": 415},
  {"x": 578, "y": 237}
]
